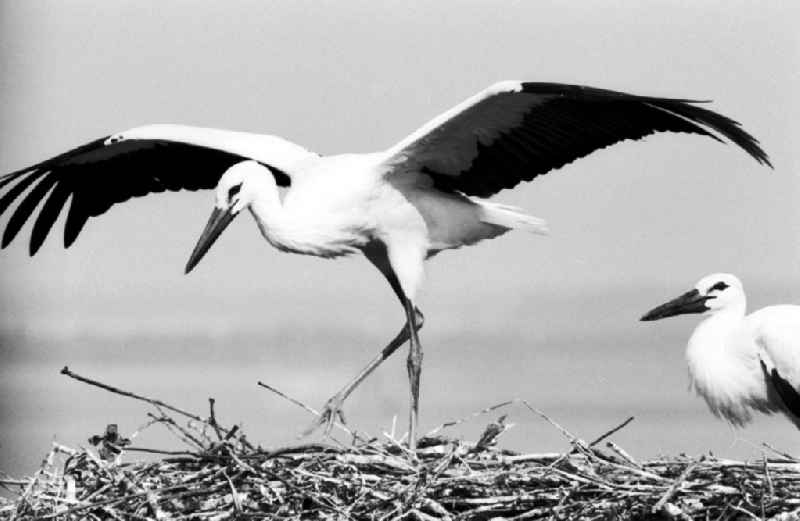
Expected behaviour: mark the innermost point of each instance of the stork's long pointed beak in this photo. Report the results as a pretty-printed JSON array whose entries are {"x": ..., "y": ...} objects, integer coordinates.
[
  {"x": 219, "y": 220},
  {"x": 689, "y": 302}
]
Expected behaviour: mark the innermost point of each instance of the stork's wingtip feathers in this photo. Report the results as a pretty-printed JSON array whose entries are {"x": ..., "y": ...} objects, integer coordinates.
[
  {"x": 722, "y": 126},
  {"x": 7, "y": 238}
]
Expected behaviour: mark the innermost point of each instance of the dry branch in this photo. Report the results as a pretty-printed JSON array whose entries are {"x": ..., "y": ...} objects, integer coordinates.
[{"x": 159, "y": 403}]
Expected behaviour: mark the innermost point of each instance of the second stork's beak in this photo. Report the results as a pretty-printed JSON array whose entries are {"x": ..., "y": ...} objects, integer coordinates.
[
  {"x": 689, "y": 302},
  {"x": 219, "y": 220}
]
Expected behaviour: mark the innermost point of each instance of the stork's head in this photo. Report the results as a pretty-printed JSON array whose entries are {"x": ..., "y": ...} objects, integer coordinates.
[
  {"x": 236, "y": 190},
  {"x": 711, "y": 294}
]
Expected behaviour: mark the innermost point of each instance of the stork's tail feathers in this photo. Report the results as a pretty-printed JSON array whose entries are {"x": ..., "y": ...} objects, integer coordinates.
[{"x": 512, "y": 217}]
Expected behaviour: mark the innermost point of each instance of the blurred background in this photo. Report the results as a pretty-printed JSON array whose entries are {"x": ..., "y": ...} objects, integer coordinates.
[{"x": 553, "y": 320}]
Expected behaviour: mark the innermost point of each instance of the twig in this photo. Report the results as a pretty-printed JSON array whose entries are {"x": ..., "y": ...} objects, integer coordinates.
[
  {"x": 111, "y": 501},
  {"x": 237, "y": 502},
  {"x": 469, "y": 417},
  {"x": 172, "y": 424},
  {"x": 491, "y": 433},
  {"x": 622, "y": 453},
  {"x": 612, "y": 431},
  {"x": 571, "y": 437},
  {"x": 309, "y": 409},
  {"x": 287, "y": 397},
  {"x": 768, "y": 479},
  {"x": 780, "y": 453},
  {"x": 212, "y": 419},
  {"x": 162, "y": 452},
  {"x": 231, "y": 432},
  {"x": 13, "y": 482},
  {"x": 129, "y": 394},
  {"x": 605, "y": 435},
  {"x": 746, "y": 512},
  {"x": 676, "y": 485}
]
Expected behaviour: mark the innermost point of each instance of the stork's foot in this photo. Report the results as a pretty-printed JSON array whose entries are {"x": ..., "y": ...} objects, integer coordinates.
[{"x": 330, "y": 414}]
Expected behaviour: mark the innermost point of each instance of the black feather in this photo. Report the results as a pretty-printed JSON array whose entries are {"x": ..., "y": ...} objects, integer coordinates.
[
  {"x": 4, "y": 180},
  {"x": 76, "y": 219},
  {"x": 48, "y": 214},
  {"x": 100, "y": 175},
  {"x": 571, "y": 122},
  {"x": 787, "y": 392},
  {"x": 16, "y": 190},
  {"x": 26, "y": 208}
]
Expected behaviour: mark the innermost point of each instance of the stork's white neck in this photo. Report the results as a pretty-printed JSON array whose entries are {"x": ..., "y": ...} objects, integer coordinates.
[
  {"x": 720, "y": 364},
  {"x": 297, "y": 230},
  {"x": 713, "y": 333},
  {"x": 270, "y": 216}
]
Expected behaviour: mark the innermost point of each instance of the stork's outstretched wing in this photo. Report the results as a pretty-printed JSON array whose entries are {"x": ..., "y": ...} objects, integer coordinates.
[
  {"x": 133, "y": 163},
  {"x": 513, "y": 132}
]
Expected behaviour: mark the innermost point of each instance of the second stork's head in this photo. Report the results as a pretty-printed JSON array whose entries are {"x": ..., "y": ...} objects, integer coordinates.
[
  {"x": 711, "y": 294},
  {"x": 236, "y": 190}
]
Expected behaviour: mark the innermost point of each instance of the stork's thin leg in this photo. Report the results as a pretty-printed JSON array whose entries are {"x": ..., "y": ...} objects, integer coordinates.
[
  {"x": 333, "y": 407},
  {"x": 414, "y": 365},
  {"x": 376, "y": 253}
]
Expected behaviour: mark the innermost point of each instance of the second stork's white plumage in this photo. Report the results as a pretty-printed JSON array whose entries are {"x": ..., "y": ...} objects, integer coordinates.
[
  {"x": 740, "y": 363},
  {"x": 399, "y": 206}
]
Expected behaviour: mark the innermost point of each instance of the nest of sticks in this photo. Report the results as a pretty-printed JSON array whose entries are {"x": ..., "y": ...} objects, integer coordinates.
[{"x": 223, "y": 475}]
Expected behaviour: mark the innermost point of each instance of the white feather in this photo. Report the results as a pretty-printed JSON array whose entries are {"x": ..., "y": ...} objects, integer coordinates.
[
  {"x": 274, "y": 150},
  {"x": 511, "y": 217}
]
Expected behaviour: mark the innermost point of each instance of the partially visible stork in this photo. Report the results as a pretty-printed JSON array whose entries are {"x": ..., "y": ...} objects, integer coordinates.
[
  {"x": 399, "y": 207},
  {"x": 739, "y": 363}
]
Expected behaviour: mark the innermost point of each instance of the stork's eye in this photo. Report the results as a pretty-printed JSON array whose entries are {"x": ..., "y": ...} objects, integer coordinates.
[
  {"x": 719, "y": 286},
  {"x": 233, "y": 191}
]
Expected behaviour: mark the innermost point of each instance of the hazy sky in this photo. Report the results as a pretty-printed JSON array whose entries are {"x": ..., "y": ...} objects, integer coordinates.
[
  {"x": 358, "y": 76},
  {"x": 638, "y": 222}
]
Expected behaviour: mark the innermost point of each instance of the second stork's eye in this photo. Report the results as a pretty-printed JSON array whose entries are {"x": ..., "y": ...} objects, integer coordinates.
[{"x": 719, "y": 286}]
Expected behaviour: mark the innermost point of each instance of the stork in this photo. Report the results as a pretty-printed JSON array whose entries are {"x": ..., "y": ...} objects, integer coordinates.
[
  {"x": 398, "y": 207},
  {"x": 740, "y": 363}
]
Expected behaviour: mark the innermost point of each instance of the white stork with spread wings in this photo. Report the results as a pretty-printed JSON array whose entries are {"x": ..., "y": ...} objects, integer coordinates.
[{"x": 399, "y": 207}]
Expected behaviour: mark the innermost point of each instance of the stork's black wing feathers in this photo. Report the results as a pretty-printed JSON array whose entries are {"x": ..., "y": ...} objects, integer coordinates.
[
  {"x": 98, "y": 175},
  {"x": 787, "y": 392},
  {"x": 27, "y": 206},
  {"x": 573, "y": 121},
  {"x": 48, "y": 215}
]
